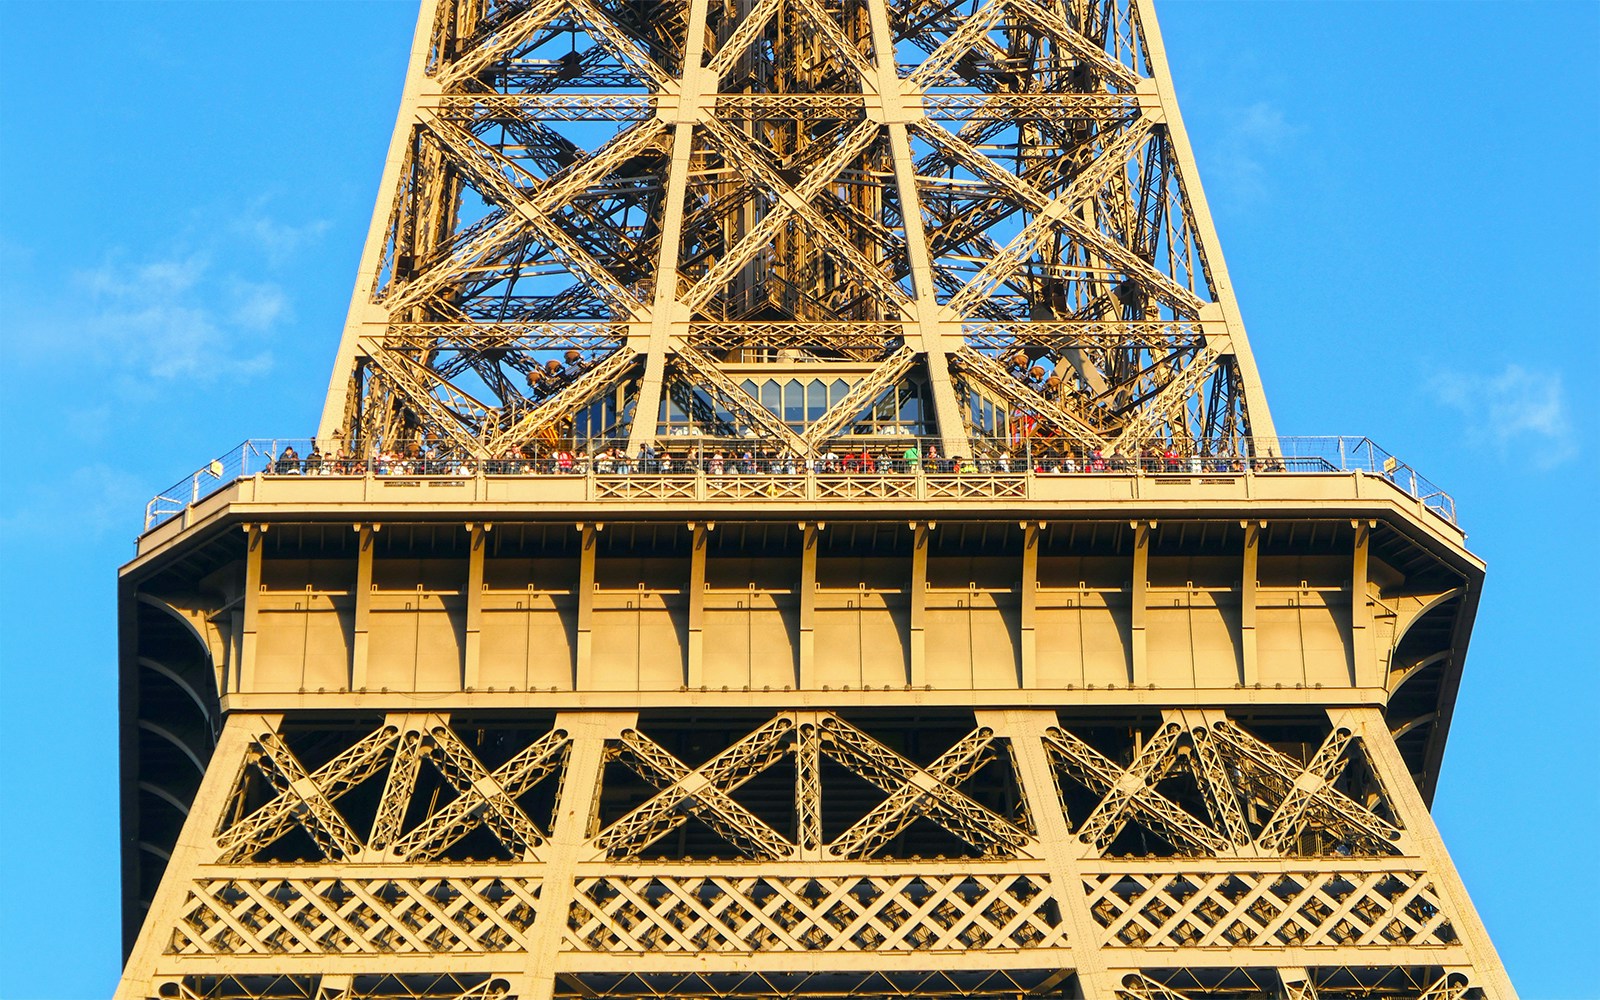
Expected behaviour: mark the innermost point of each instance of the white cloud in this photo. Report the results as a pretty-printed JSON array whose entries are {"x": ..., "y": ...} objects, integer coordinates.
[
  {"x": 258, "y": 306},
  {"x": 1517, "y": 410},
  {"x": 278, "y": 240},
  {"x": 1236, "y": 166},
  {"x": 204, "y": 308},
  {"x": 171, "y": 318}
]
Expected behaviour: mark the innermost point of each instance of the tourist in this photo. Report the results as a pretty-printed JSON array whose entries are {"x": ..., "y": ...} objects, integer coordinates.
[{"x": 288, "y": 463}]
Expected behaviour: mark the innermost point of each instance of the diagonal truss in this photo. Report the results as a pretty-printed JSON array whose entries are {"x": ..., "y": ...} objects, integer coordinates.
[
  {"x": 307, "y": 799},
  {"x": 995, "y": 192},
  {"x": 911, "y": 792},
  {"x": 1249, "y": 798},
  {"x": 484, "y": 799}
]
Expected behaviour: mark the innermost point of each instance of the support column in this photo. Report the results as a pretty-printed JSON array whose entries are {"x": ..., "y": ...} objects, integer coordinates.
[
  {"x": 1027, "y": 646},
  {"x": 1139, "y": 595},
  {"x": 574, "y": 823},
  {"x": 246, "y": 678},
  {"x": 365, "y": 315},
  {"x": 471, "y": 653},
  {"x": 695, "y": 654},
  {"x": 917, "y": 650},
  {"x": 1366, "y": 671},
  {"x": 1296, "y": 983},
  {"x": 1423, "y": 838},
  {"x": 1249, "y": 577},
  {"x": 583, "y": 651},
  {"x": 806, "y": 653},
  {"x": 668, "y": 317},
  {"x": 361, "y": 626},
  {"x": 1056, "y": 844},
  {"x": 926, "y": 328}
]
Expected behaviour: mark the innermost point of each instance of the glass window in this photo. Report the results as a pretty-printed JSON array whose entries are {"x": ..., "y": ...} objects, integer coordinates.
[{"x": 793, "y": 407}]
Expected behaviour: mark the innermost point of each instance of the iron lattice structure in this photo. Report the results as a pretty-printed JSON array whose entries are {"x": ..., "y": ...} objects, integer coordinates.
[
  {"x": 450, "y": 713},
  {"x": 796, "y": 220}
]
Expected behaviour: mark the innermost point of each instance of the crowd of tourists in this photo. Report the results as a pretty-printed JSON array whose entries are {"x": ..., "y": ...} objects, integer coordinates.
[{"x": 736, "y": 459}]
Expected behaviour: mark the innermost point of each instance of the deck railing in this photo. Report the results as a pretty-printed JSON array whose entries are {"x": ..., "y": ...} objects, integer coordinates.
[{"x": 736, "y": 470}]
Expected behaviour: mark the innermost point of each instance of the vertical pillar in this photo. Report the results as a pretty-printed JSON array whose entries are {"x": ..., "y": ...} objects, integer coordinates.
[
  {"x": 925, "y": 327},
  {"x": 916, "y": 645},
  {"x": 666, "y": 314},
  {"x": 1296, "y": 983},
  {"x": 471, "y": 652},
  {"x": 1027, "y": 647},
  {"x": 1249, "y": 577},
  {"x": 569, "y": 835},
  {"x": 246, "y": 678},
  {"x": 360, "y": 629},
  {"x": 695, "y": 654},
  {"x": 583, "y": 652},
  {"x": 1365, "y": 669},
  {"x": 806, "y": 651},
  {"x": 1056, "y": 844},
  {"x": 1422, "y": 837},
  {"x": 1139, "y": 595}
]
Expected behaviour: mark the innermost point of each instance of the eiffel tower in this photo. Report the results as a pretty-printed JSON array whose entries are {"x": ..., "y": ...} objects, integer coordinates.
[{"x": 795, "y": 515}]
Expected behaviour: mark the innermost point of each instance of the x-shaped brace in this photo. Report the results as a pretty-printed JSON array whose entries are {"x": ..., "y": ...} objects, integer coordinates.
[
  {"x": 483, "y": 798},
  {"x": 306, "y": 799},
  {"x": 1306, "y": 790},
  {"x": 703, "y": 792},
  {"x": 1126, "y": 794},
  {"x": 916, "y": 792}
]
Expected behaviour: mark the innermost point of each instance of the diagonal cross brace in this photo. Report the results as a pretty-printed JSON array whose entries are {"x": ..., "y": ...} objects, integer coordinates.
[
  {"x": 736, "y": 399},
  {"x": 937, "y": 799},
  {"x": 764, "y": 233},
  {"x": 1170, "y": 398},
  {"x": 567, "y": 400},
  {"x": 1305, "y": 789},
  {"x": 484, "y": 798},
  {"x": 986, "y": 372},
  {"x": 413, "y": 380},
  {"x": 861, "y": 395},
  {"x": 1137, "y": 796},
  {"x": 739, "y": 149},
  {"x": 914, "y": 799},
  {"x": 707, "y": 787},
  {"x": 305, "y": 799}
]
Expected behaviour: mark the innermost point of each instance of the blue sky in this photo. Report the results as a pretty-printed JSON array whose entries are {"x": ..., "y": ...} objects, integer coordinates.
[{"x": 1406, "y": 194}]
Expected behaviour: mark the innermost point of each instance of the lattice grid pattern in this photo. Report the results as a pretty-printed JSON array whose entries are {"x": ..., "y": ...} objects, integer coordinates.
[
  {"x": 1282, "y": 909},
  {"x": 822, "y": 913},
  {"x": 356, "y": 916}
]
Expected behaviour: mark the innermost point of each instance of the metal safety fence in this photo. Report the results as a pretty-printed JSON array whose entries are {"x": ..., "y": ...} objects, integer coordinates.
[{"x": 848, "y": 467}]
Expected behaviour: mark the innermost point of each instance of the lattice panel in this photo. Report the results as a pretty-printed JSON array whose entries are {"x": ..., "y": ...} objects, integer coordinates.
[
  {"x": 276, "y": 795},
  {"x": 912, "y": 793},
  {"x": 1278, "y": 909},
  {"x": 345, "y": 916},
  {"x": 836, "y": 913},
  {"x": 1218, "y": 791}
]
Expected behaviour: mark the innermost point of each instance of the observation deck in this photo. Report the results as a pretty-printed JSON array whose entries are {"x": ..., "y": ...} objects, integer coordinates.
[{"x": 1326, "y": 573}]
